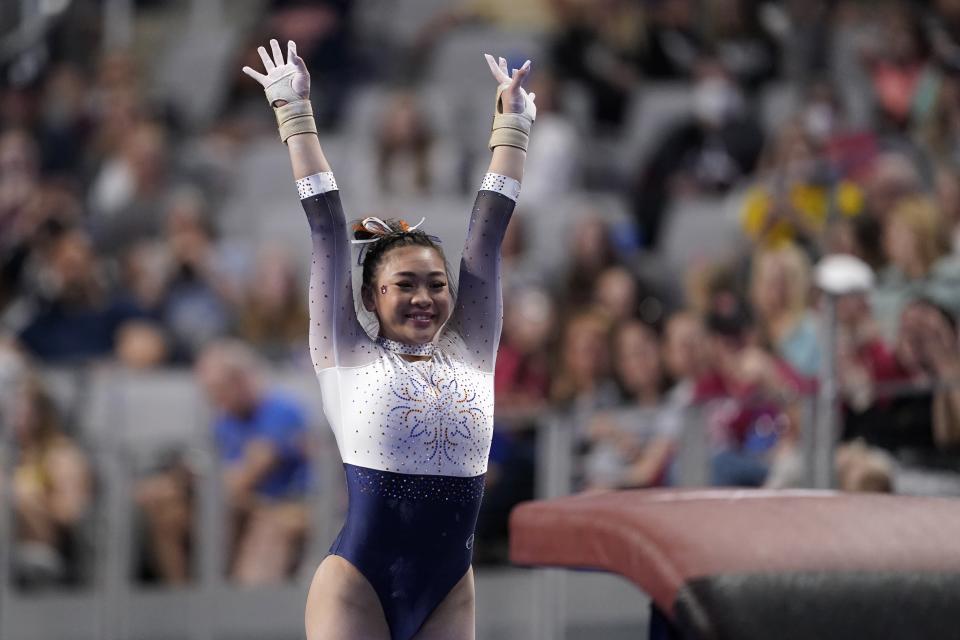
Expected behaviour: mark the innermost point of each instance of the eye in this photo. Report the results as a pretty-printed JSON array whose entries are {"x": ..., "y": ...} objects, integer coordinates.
[
  {"x": 405, "y": 285},
  {"x": 438, "y": 285}
]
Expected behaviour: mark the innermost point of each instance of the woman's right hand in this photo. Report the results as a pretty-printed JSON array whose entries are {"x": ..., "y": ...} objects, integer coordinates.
[{"x": 285, "y": 81}]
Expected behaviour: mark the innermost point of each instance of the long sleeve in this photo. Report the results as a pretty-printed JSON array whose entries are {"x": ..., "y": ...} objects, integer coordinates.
[
  {"x": 336, "y": 337},
  {"x": 478, "y": 314}
]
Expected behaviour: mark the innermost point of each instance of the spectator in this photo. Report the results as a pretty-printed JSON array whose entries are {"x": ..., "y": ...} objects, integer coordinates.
[
  {"x": 522, "y": 387},
  {"x": 937, "y": 130},
  {"x": 799, "y": 195},
  {"x": 262, "y": 440},
  {"x": 711, "y": 286},
  {"x": 674, "y": 43},
  {"x": 65, "y": 124},
  {"x": 19, "y": 177},
  {"x": 898, "y": 62},
  {"x": 862, "y": 468},
  {"x": 598, "y": 47},
  {"x": 522, "y": 377},
  {"x": 30, "y": 209},
  {"x": 779, "y": 292},
  {"x": 803, "y": 28},
  {"x": 20, "y": 189},
  {"x": 704, "y": 155},
  {"x": 915, "y": 246},
  {"x": 323, "y": 31},
  {"x": 404, "y": 143},
  {"x": 617, "y": 293},
  {"x": 582, "y": 382},
  {"x": 76, "y": 315},
  {"x": 684, "y": 344},
  {"x": 748, "y": 399},
  {"x": 864, "y": 361},
  {"x": 551, "y": 170},
  {"x": 741, "y": 42},
  {"x": 948, "y": 200},
  {"x": 141, "y": 345},
  {"x": 632, "y": 446},
  {"x": 52, "y": 491},
  {"x": 892, "y": 177},
  {"x": 919, "y": 427},
  {"x": 519, "y": 266},
  {"x": 273, "y": 316},
  {"x": 591, "y": 251},
  {"x": 126, "y": 197},
  {"x": 198, "y": 299}
]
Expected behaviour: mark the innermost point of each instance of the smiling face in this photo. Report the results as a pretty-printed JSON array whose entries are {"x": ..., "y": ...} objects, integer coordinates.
[
  {"x": 637, "y": 359},
  {"x": 410, "y": 294}
]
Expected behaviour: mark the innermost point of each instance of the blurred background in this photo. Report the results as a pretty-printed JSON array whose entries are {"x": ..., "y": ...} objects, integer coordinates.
[{"x": 692, "y": 163}]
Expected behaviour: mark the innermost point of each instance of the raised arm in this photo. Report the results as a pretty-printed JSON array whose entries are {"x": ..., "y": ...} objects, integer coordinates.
[
  {"x": 336, "y": 337},
  {"x": 478, "y": 314}
]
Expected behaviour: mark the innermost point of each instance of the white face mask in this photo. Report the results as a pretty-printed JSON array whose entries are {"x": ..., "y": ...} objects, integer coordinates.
[
  {"x": 819, "y": 121},
  {"x": 715, "y": 100}
]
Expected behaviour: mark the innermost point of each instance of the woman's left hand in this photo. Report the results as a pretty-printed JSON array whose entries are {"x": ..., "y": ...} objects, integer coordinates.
[{"x": 513, "y": 98}]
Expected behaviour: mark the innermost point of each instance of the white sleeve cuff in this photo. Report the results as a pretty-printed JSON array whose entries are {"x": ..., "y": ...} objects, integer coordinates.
[
  {"x": 501, "y": 184},
  {"x": 316, "y": 184}
]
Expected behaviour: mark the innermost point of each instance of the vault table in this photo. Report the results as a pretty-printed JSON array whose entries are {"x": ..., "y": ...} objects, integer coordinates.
[{"x": 751, "y": 564}]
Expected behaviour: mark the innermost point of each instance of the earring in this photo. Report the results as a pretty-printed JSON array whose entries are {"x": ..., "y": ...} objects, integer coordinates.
[{"x": 383, "y": 289}]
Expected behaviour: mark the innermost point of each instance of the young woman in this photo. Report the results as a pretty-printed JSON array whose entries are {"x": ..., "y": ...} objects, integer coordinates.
[
  {"x": 412, "y": 410},
  {"x": 52, "y": 487},
  {"x": 632, "y": 445},
  {"x": 916, "y": 247},
  {"x": 779, "y": 293}
]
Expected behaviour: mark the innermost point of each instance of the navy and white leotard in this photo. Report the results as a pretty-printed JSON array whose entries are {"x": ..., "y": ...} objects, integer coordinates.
[{"x": 414, "y": 436}]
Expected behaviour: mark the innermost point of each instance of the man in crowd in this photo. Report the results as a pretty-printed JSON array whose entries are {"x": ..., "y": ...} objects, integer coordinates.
[{"x": 261, "y": 439}]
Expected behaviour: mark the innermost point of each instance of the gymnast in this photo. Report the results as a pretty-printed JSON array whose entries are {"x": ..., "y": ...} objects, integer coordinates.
[{"x": 412, "y": 409}]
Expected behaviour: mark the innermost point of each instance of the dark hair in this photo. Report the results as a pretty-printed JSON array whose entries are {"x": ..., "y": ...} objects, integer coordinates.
[
  {"x": 932, "y": 300},
  {"x": 47, "y": 413},
  {"x": 731, "y": 321},
  {"x": 400, "y": 235}
]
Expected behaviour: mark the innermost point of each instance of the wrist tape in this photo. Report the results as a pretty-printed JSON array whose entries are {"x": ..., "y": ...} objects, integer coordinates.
[
  {"x": 295, "y": 117},
  {"x": 510, "y": 129}
]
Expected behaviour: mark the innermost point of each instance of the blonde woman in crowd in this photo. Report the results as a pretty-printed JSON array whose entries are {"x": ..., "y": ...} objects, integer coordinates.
[
  {"x": 779, "y": 293},
  {"x": 916, "y": 248}
]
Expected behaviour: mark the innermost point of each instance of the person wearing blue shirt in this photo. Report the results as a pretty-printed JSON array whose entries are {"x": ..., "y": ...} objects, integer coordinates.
[
  {"x": 262, "y": 442},
  {"x": 275, "y": 422}
]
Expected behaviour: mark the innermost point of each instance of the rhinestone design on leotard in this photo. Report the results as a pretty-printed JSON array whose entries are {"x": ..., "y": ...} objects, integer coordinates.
[
  {"x": 406, "y": 349},
  {"x": 438, "y": 411},
  {"x": 408, "y": 486}
]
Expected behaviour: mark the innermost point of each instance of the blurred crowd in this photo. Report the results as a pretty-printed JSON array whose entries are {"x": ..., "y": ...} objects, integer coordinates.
[{"x": 112, "y": 204}]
